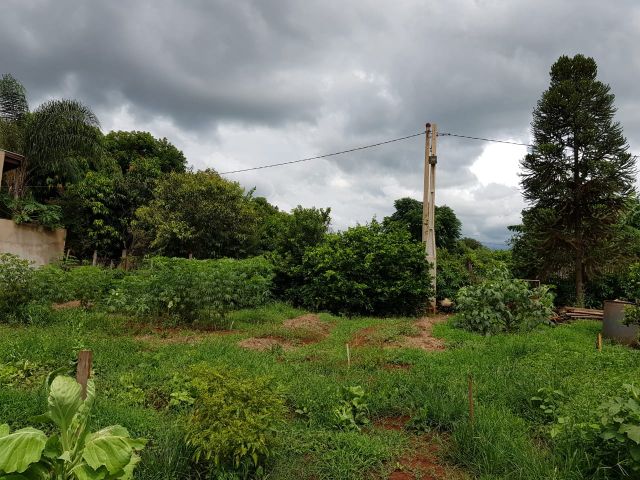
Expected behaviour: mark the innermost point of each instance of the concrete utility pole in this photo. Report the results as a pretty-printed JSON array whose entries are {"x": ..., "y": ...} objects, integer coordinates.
[{"x": 429, "y": 204}]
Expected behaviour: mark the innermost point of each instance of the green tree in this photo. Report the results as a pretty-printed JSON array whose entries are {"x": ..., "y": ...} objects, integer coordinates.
[
  {"x": 54, "y": 138},
  {"x": 127, "y": 147},
  {"x": 579, "y": 174},
  {"x": 293, "y": 234},
  {"x": 409, "y": 213},
  {"x": 199, "y": 213},
  {"x": 367, "y": 269}
]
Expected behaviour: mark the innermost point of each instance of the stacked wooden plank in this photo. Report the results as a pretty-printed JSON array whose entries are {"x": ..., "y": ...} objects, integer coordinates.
[{"x": 567, "y": 314}]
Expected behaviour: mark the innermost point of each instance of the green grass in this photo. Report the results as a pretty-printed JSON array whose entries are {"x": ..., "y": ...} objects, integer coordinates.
[{"x": 507, "y": 440}]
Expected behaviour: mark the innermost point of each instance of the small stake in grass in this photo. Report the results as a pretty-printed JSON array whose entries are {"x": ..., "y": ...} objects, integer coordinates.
[
  {"x": 599, "y": 342},
  {"x": 83, "y": 371},
  {"x": 470, "y": 393},
  {"x": 348, "y": 357}
]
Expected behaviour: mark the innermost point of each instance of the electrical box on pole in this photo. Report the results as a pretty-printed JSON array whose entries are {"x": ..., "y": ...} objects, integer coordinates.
[{"x": 429, "y": 204}]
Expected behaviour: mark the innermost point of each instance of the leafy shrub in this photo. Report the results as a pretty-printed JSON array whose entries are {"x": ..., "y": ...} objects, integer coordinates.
[
  {"x": 234, "y": 420},
  {"x": 28, "y": 210},
  {"x": 187, "y": 289},
  {"x": 73, "y": 452},
  {"x": 88, "y": 284},
  {"x": 351, "y": 413},
  {"x": 612, "y": 437},
  {"x": 631, "y": 315},
  {"x": 366, "y": 269},
  {"x": 16, "y": 289},
  {"x": 619, "y": 430},
  {"x": 502, "y": 304}
]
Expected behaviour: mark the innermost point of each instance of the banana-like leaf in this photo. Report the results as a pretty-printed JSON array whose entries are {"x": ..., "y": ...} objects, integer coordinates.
[
  {"x": 85, "y": 472},
  {"x": 20, "y": 449},
  {"x": 110, "y": 447},
  {"x": 64, "y": 400},
  {"x": 4, "y": 430}
]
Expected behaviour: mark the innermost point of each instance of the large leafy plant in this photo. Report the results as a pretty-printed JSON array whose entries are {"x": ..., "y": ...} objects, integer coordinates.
[
  {"x": 72, "y": 452},
  {"x": 352, "y": 411},
  {"x": 502, "y": 304}
]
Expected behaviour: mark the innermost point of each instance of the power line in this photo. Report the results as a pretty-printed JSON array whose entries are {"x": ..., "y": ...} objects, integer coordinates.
[
  {"x": 483, "y": 139},
  {"x": 325, "y": 155}
]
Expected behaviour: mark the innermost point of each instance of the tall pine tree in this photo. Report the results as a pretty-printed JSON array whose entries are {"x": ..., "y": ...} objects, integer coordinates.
[{"x": 579, "y": 174}]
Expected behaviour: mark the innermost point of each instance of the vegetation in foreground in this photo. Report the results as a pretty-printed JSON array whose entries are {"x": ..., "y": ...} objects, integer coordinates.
[{"x": 317, "y": 425}]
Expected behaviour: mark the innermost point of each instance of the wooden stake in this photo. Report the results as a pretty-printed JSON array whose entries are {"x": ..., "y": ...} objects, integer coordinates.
[
  {"x": 599, "y": 342},
  {"x": 348, "y": 357},
  {"x": 83, "y": 373},
  {"x": 95, "y": 258},
  {"x": 470, "y": 394}
]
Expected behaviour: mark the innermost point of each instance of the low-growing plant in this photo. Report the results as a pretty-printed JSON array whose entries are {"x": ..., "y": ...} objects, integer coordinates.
[
  {"x": 619, "y": 431},
  {"x": 88, "y": 284},
  {"x": 631, "y": 315},
  {"x": 502, "y": 304},
  {"x": 72, "y": 452},
  {"x": 352, "y": 411},
  {"x": 547, "y": 403},
  {"x": 234, "y": 420},
  {"x": 16, "y": 288},
  {"x": 189, "y": 290}
]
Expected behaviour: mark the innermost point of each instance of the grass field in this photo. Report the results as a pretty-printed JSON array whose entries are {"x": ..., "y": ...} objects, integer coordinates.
[{"x": 135, "y": 363}]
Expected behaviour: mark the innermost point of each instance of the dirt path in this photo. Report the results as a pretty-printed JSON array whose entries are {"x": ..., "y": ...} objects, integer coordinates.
[
  {"x": 424, "y": 340},
  {"x": 294, "y": 332},
  {"x": 423, "y": 460}
]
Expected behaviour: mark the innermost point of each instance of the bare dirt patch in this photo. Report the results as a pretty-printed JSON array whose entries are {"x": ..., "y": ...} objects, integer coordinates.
[
  {"x": 264, "y": 344},
  {"x": 424, "y": 459},
  {"x": 424, "y": 340},
  {"x": 302, "y": 330},
  {"x": 65, "y": 305}
]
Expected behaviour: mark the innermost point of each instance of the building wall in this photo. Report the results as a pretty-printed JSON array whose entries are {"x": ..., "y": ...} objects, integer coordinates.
[{"x": 35, "y": 243}]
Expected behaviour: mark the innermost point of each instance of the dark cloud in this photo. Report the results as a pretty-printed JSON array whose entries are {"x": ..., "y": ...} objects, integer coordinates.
[{"x": 241, "y": 83}]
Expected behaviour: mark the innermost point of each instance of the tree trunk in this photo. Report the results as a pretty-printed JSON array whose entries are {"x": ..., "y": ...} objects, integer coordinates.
[{"x": 579, "y": 278}]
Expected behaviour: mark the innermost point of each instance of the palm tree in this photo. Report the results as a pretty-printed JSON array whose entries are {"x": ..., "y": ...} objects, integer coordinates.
[{"x": 53, "y": 139}]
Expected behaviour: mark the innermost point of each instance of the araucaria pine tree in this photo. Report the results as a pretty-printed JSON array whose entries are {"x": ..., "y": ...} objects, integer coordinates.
[{"x": 579, "y": 174}]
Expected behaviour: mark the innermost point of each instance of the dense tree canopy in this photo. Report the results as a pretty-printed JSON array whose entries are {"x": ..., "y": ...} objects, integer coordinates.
[
  {"x": 578, "y": 176},
  {"x": 409, "y": 213}
]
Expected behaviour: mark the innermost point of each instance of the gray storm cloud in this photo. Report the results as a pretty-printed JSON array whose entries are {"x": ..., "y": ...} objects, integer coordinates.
[{"x": 243, "y": 83}]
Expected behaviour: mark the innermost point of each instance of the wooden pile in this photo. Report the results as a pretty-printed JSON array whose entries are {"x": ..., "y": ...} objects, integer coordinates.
[{"x": 567, "y": 314}]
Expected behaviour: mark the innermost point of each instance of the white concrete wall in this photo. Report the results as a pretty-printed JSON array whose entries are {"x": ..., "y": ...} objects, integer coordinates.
[{"x": 36, "y": 243}]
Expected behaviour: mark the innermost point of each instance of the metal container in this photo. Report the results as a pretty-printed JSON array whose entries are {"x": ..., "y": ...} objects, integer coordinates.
[{"x": 613, "y": 326}]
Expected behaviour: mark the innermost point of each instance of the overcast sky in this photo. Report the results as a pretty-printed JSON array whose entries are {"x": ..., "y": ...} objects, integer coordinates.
[{"x": 236, "y": 84}]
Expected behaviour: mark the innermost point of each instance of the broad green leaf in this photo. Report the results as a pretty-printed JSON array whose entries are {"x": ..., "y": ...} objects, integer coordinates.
[
  {"x": 85, "y": 472},
  {"x": 633, "y": 432},
  {"x": 64, "y": 400},
  {"x": 4, "y": 430},
  {"x": 105, "y": 448},
  {"x": 20, "y": 449},
  {"x": 128, "y": 470}
]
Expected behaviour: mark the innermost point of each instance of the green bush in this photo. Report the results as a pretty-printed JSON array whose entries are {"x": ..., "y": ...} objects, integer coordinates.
[
  {"x": 502, "y": 304},
  {"x": 187, "y": 289},
  {"x": 16, "y": 287},
  {"x": 366, "y": 269},
  {"x": 234, "y": 420},
  {"x": 619, "y": 431},
  {"x": 88, "y": 284}
]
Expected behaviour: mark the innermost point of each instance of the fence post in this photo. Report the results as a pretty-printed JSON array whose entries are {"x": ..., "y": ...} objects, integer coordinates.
[
  {"x": 470, "y": 395},
  {"x": 348, "y": 357},
  {"x": 83, "y": 371}
]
